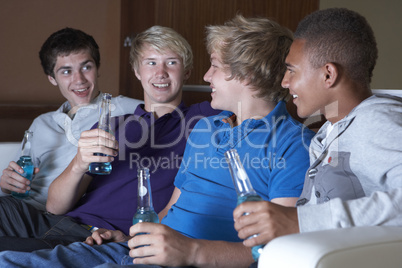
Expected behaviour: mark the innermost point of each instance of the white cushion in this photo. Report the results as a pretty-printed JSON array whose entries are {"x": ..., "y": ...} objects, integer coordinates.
[
  {"x": 368, "y": 247},
  {"x": 8, "y": 152}
]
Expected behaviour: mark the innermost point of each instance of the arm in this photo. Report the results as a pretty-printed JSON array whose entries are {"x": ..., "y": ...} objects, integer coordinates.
[
  {"x": 68, "y": 188},
  {"x": 379, "y": 209},
  {"x": 175, "y": 249}
]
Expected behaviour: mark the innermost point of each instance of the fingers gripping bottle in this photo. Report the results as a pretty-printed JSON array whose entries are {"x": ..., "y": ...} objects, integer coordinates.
[
  {"x": 102, "y": 168},
  {"x": 145, "y": 210},
  {"x": 25, "y": 162},
  {"x": 244, "y": 189}
]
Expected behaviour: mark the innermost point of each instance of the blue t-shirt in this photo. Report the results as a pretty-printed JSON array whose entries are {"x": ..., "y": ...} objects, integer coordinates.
[
  {"x": 111, "y": 200},
  {"x": 274, "y": 152}
]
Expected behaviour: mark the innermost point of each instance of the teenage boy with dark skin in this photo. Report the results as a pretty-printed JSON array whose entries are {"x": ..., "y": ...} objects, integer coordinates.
[{"x": 355, "y": 173}]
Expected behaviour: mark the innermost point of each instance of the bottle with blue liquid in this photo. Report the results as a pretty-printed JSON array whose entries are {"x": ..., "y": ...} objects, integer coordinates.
[
  {"x": 244, "y": 189},
  {"x": 25, "y": 162},
  {"x": 102, "y": 168},
  {"x": 145, "y": 210}
]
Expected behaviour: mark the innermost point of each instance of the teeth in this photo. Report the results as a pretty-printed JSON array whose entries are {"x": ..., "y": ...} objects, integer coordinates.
[
  {"x": 160, "y": 85},
  {"x": 80, "y": 90},
  {"x": 295, "y": 96},
  {"x": 213, "y": 90}
]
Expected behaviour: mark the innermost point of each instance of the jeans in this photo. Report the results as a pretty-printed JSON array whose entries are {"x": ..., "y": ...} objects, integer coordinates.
[
  {"x": 74, "y": 255},
  {"x": 24, "y": 228}
]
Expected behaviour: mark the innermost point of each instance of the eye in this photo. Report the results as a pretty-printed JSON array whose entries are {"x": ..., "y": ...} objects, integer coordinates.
[
  {"x": 65, "y": 72},
  {"x": 290, "y": 71},
  {"x": 87, "y": 67},
  {"x": 151, "y": 63},
  {"x": 172, "y": 62}
]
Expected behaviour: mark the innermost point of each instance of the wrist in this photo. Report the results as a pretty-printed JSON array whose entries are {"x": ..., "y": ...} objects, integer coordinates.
[{"x": 78, "y": 168}]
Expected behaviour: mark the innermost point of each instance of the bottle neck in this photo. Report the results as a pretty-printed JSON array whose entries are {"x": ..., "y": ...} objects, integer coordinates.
[
  {"x": 104, "y": 114},
  {"x": 239, "y": 175},
  {"x": 26, "y": 144},
  {"x": 144, "y": 195}
]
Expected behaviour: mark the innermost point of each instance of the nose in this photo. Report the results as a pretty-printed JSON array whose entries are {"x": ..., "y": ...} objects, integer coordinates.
[
  {"x": 207, "y": 75},
  {"x": 161, "y": 72},
  {"x": 285, "y": 80},
  {"x": 79, "y": 77}
]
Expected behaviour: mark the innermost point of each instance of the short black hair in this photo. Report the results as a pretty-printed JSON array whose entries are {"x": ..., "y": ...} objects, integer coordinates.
[
  {"x": 64, "y": 42},
  {"x": 343, "y": 37}
]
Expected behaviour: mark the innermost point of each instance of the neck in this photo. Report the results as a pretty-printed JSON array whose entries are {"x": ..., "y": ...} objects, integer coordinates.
[
  {"x": 347, "y": 100},
  {"x": 160, "y": 109},
  {"x": 255, "y": 109}
]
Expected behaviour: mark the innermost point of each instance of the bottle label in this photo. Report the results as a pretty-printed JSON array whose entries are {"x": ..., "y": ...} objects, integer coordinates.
[
  {"x": 142, "y": 191},
  {"x": 241, "y": 174}
]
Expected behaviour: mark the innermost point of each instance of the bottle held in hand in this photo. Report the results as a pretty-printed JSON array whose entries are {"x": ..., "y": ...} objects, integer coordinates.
[
  {"x": 145, "y": 210},
  {"x": 244, "y": 189},
  {"x": 26, "y": 163},
  {"x": 103, "y": 168}
]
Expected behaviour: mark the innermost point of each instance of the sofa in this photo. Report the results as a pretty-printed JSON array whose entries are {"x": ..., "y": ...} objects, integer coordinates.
[
  {"x": 8, "y": 152},
  {"x": 357, "y": 247}
]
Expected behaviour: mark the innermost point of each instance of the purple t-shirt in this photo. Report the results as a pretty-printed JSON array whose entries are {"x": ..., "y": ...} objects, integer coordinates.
[{"x": 111, "y": 200}]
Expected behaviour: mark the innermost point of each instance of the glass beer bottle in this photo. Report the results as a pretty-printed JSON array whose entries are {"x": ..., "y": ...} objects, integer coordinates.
[
  {"x": 145, "y": 210},
  {"x": 102, "y": 168},
  {"x": 244, "y": 189},
  {"x": 25, "y": 162}
]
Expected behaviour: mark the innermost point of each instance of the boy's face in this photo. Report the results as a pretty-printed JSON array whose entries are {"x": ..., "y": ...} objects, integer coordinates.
[
  {"x": 225, "y": 93},
  {"x": 304, "y": 82},
  {"x": 76, "y": 75},
  {"x": 162, "y": 76}
]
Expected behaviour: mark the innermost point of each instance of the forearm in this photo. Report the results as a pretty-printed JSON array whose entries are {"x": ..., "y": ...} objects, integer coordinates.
[
  {"x": 67, "y": 189},
  {"x": 221, "y": 254},
  {"x": 381, "y": 208}
]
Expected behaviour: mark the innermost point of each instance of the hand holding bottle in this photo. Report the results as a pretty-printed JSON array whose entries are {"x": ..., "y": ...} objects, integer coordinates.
[
  {"x": 94, "y": 145},
  {"x": 12, "y": 181},
  {"x": 103, "y": 168},
  {"x": 267, "y": 219}
]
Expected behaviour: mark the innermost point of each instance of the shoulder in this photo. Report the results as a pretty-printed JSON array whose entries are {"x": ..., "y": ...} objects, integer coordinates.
[
  {"x": 203, "y": 108},
  {"x": 49, "y": 116},
  {"x": 124, "y": 105},
  {"x": 289, "y": 130},
  {"x": 379, "y": 110}
]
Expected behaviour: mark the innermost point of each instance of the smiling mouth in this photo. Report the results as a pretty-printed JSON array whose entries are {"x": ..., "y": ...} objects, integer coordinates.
[
  {"x": 295, "y": 96},
  {"x": 80, "y": 90},
  {"x": 213, "y": 90},
  {"x": 160, "y": 85}
]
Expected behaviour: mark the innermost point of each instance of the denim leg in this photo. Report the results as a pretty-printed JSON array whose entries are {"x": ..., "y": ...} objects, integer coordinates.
[
  {"x": 74, "y": 255},
  {"x": 24, "y": 228}
]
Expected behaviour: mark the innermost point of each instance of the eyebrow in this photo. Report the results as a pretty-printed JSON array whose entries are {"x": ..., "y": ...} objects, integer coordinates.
[
  {"x": 170, "y": 58},
  {"x": 289, "y": 65}
]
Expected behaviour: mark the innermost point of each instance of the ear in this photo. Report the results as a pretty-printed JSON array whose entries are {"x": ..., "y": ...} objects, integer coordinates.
[
  {"x": 137, "y": 74},
  {"x": 187, "y": 75},
  {"x": 331, "y": 73},
  {"x": 52, "y": 80}
]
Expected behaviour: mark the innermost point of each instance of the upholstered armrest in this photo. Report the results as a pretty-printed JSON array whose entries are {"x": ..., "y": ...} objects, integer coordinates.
[
  {"x": 8, "y": 152},
  {"x": 368, "y": 247}
]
